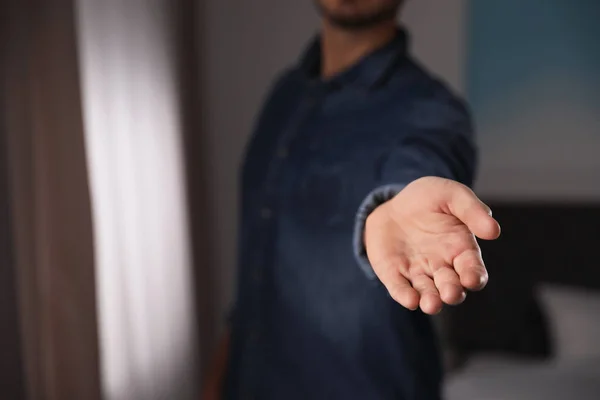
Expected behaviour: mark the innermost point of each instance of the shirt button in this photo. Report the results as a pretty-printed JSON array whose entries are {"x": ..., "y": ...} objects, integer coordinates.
[
  {"x": 258, "y": 275},
  {"x": 266, "y": 213},
  {"x": 282, "y": 152},
  {"x": 254, "y": 335}
]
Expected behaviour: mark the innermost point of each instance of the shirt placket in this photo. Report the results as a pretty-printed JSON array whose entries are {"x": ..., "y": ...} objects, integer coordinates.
[{"x": 266, "y": 217}]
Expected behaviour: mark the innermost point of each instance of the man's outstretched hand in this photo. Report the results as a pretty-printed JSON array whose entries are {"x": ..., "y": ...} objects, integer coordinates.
[{"x": 422, "y": 244}]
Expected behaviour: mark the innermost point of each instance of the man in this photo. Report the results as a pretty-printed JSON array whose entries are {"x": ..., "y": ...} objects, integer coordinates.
[{"x": 355, "y": 212}]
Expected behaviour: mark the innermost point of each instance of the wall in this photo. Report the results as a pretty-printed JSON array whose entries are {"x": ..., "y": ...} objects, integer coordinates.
[
  {"x": 12, "y": 371},
  {"x": 534, "y": 90},
  {"x": 242, "y": 52},
  {"x": 50, "y": 226}
]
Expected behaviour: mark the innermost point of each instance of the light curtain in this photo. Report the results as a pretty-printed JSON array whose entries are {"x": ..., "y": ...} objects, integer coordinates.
[{"x": 133, "y": 143}]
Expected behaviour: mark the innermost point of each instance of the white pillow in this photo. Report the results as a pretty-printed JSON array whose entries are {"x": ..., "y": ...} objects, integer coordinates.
[{"x": 574, "y": 320}]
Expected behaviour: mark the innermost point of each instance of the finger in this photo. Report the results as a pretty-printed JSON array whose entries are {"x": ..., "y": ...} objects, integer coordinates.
[
  {"x": 471, "y": 269},
  {"x": 449, "y": 287},
  {"x": 397, "y": 285},
  {"x": 403, "y": 293},
  {"x": 430, "y": 298},
  {"x": 467, "y": 207}
]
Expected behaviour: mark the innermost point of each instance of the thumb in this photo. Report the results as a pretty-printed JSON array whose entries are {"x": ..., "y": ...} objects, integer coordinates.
[{"x": 476, "y": 215}]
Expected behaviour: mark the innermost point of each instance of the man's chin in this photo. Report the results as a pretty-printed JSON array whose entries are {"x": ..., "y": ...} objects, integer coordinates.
[
  {"x": 352, "y": 19},
  {"x": 350, "y": 22}
]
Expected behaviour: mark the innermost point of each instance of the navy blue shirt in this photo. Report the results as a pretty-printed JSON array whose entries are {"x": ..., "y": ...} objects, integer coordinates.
[{"x": 311, "y": 319}]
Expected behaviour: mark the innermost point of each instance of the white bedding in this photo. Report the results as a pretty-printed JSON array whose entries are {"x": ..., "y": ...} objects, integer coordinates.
[{"x": 503, "y": 378}]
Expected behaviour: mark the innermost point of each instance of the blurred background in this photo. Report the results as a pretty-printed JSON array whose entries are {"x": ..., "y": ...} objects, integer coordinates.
[{"x": 122, "y": 124}]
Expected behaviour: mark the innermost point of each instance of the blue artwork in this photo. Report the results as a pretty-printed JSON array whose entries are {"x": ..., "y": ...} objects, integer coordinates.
[{"x": 533, "y": 81}]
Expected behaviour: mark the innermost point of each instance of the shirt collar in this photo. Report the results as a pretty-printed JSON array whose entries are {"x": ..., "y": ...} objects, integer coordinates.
[{"x": 367, "y": 73}]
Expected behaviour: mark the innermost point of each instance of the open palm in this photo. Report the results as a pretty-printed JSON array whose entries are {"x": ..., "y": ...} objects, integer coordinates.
[{"x": 422, "y": 243}]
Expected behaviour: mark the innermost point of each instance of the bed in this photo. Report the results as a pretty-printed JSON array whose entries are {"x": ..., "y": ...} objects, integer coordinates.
[
  {"x": 497, "y": 378},
  {"x": 534, "y": 333}
]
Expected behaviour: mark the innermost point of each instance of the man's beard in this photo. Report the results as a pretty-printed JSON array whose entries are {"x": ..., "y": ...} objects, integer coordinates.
[{"x": 360, "y": 22}]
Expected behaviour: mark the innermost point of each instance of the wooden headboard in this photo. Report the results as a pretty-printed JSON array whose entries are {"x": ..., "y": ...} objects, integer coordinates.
[
  {"x": 554, "y": 243},
  {"x": 557, "y": 243}
]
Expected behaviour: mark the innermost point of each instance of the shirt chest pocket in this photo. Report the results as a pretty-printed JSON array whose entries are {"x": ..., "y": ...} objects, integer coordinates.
[
  {"x": 321, "y": 196},
  {"x": 332, "y": 185}
]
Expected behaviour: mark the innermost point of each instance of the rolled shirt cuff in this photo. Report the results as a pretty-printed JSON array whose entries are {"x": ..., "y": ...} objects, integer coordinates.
[{"x": 373, "y": 200}]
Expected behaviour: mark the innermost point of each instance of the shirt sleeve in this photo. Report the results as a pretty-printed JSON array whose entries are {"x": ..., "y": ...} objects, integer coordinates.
[{"x": 441, "y": 143}]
